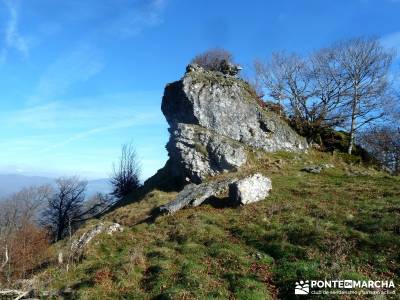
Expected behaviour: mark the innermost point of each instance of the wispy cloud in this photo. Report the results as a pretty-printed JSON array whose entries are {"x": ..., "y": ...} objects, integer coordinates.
[
  {"x": 74, "y": 66},
  {"x": 52, "y": 135},
  {"x": 12, "y": 37},
  {"x": 133, "y": 20},
  {"x": 39, "y": 116},
  {"x": 50, "y": 121},
  {"x": 139, "y": 119},
  {"x": 128, "y": 19},
  {"x": 83, "y": 112}
]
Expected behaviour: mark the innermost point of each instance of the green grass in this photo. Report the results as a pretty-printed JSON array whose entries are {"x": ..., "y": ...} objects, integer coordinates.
[{"x": 337, "y": 224}]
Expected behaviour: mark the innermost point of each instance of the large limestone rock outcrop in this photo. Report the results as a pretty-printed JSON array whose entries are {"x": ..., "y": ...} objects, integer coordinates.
[{"x": 214, "y": 121}]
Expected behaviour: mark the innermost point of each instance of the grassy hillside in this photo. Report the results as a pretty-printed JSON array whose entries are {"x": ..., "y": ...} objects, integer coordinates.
[{"x": 343, "y": 223}]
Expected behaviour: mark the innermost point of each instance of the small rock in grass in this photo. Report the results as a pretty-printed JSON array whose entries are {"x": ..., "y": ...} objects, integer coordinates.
[
  {"x": 312, "y": 169},
  {"x": 250, "y": 189},
  {"x": 317, "y": 169}
]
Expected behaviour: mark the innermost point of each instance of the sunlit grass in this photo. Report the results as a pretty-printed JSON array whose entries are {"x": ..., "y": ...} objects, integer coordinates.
[{"x": 337, "y": 224}]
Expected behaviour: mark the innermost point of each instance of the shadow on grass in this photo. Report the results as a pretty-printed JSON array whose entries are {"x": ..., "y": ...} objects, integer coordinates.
[{"x": 219, "y": 203}]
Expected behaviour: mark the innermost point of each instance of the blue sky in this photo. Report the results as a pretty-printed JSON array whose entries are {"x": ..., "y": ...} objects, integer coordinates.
[{"x": 80, "y": 78}]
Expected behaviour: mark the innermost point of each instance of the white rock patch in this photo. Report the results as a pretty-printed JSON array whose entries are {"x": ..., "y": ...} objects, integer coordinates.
[{"x": 250, "y": 189}]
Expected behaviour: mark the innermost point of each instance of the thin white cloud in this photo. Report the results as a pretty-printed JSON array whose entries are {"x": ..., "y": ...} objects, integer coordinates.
[
  {"x": 64, "y": 134},
  {"x": 129, "y": 18},
  {"x": 140, "y": 119},
  {"x": 83, "y": 112},
  {"x": 133, "y": 20},
  {"x": 12, "y": 37},
  {"x": 40, "y": 116},
  {"x": 77, "y": 65}
]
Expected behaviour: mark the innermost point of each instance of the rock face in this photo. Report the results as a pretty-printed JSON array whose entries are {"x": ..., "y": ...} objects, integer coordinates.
[
  {"x": 214, "y": 120},
  {"x": 197, "y": 153},
  {"x": 251, "y": 189}
]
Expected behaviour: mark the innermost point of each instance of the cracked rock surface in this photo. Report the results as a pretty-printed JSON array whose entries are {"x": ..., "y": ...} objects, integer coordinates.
[{"x": 214, "y": 120}]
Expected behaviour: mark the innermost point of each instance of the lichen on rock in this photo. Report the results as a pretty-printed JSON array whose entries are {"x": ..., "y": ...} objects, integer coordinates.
[
  {"x": 214, "y": 119},
  {"x": 197, "y": 153}
]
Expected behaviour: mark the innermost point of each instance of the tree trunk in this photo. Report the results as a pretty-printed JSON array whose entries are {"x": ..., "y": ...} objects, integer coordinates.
[
  {"x": 351, "y": 141},
  {"x": 59, "y": 232},
  {"x": 353, "y": 121},
  {"x": 5, "y": 259}
]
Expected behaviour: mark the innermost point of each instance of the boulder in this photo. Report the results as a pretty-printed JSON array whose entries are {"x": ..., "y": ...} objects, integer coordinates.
[
  {"x": 215, "y": 120},
  {"x": 250, "y": 189},
  {"x": 247, "y": 190}
]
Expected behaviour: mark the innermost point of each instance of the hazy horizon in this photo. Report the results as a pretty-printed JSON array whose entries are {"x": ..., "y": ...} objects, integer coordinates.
[{"x": 13, "y": 183}]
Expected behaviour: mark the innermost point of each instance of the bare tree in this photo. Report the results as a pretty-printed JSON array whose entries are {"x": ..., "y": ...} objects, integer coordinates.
[
  {"x": 392, "y": 108},
  {"x": 384, "y": 144},
  {"x": 98, "y": 204},
  {"x": 364, "y": 66},
  {"x": 328, "y": 88},
  {"x": 18, "y": 216},
  {"x": 307, "y": 87},
  {"x": 126, "y": 173},
  {"x": 211, "y": 59},
  {"x": 343, "y": 85},
  {"x": 65, "y": 207},
  {"x": 286, "y": 79},
  {"x": 23, "y": 206}
]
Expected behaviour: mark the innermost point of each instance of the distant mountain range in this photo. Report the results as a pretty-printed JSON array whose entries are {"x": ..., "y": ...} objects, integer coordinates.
[{"x": 11, "y": 183}]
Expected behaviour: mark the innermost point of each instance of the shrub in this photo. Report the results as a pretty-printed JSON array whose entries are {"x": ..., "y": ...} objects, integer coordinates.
[
  {"x": 274, "y": 107},
  {"x": 211, "y": 59},
  {"x": 28, "y": 250},
  {"x": 126, "y": 173}
]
